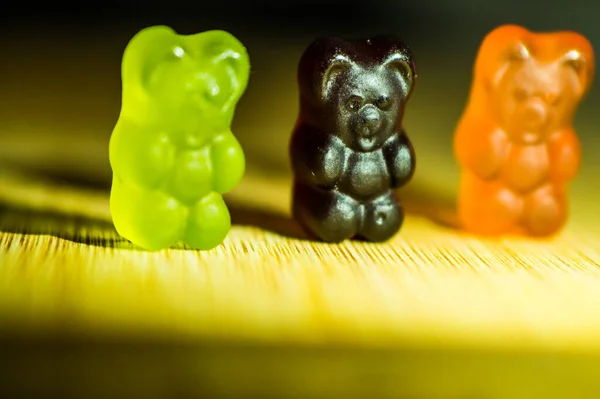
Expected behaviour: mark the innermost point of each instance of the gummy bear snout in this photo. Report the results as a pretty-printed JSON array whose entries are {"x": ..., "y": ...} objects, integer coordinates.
[
  {"x": 367, "y": 125},
  {"x": 535, "y": 113},
  {"x": 369, "y": 121}
]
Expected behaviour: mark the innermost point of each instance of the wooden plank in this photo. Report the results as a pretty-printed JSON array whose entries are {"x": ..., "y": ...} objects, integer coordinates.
[{"x": 65, "y": 268}]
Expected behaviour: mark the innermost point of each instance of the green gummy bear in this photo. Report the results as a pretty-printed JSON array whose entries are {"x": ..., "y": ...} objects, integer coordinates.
[{"x": 172, "y": 152}]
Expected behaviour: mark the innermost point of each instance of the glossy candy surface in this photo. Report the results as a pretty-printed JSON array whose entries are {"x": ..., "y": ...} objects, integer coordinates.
[
  {"x": 515, "y": 142},
  {"x": 349, "y": 150},
  {"x": 172, "y": 151}
]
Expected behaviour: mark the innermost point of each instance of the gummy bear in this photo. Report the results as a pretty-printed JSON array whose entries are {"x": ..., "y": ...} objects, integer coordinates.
[
  {"x": 172, "y": 151},
  {"x": 348, "y": 149},
  {"x": 515, "y": 142}
]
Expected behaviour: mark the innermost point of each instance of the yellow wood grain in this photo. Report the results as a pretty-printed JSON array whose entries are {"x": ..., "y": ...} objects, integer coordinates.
[{"x": 434, "y": 313}]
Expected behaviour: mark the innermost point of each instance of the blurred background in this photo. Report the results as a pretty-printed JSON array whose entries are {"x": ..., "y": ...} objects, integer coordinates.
[{"x": 60, "y": 75}]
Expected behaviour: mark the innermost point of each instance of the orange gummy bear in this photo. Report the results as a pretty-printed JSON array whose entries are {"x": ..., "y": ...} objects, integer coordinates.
[{"x": 515, "y": 142}]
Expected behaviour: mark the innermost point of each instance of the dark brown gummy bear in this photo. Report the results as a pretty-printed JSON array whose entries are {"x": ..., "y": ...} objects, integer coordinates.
[{"x": 349, "y": 150}]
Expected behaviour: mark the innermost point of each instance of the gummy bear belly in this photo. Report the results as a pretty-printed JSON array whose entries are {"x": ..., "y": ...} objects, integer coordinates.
[
  {"x": 191, "y": 177},
  {"x": 366, "y": 175},
  {"x": 526, "y": 168}
]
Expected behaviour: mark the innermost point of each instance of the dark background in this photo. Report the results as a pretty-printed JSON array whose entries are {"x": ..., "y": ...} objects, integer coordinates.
[{"x": 60, "y": 73}]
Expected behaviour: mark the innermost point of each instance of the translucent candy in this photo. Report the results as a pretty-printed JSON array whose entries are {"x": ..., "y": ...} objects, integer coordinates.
[
  {"x": 515, "y": 142},
  {"x": 172, "y": 151}
]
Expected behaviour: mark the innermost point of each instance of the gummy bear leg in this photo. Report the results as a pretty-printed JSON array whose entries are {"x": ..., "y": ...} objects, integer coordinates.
[
  {"x": 488, "y": 208},
  {"x": 328, "y": 215},
  {"x": 149, "y": 219},
  {"x": 382, "y": 219},
  {"x": 545, "y": 211},
  {"x": 209, "y": 222}
]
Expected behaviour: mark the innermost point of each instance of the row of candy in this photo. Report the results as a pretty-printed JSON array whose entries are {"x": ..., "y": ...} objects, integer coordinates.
[{"x": 173, "y": 154}]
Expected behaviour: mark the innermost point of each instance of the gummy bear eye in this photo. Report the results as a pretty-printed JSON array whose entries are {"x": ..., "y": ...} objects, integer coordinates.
[
  {"x": 521, "y": 94},
  {"x": 554, "y": 99},
  {"x": 211, "y": 93},
  {"x": 383, "y": 102},
  {"x": 354, "y": 103}
]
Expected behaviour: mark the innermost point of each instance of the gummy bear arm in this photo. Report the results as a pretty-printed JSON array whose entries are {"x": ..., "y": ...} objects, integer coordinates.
[
  {"x": 140, "y": 155},
  {"x": 228, "y": 162},
  {"x": 481, "y": 148},
  {"x": 565, "y": 156},
  {"x": 400, "y": 158},
  {"x": 317, "y": 158}
]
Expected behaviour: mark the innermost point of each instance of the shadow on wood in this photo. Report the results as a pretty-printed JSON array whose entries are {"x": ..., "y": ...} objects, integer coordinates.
[
  {"x": 427, "y": 202},
  {"x": 266, "y": 220},
  {"x": 418, "y": 199},
  {"x": 71, "y": 227},
  {"x": 99, "y": 232}
]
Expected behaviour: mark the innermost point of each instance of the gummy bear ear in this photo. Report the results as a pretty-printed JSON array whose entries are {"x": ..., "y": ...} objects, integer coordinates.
[
  {"x": 403, "y": 63},
  {"x": 227, "y": 52},
  {"x": 320, "y": 66},
  {"x": 577, "y": 61},
  {"x": 514, "y": 53},
  {"x": 146, "y": 51},
  {"x": 517, "y": 52},
  {"x": 338, "y": 64}
]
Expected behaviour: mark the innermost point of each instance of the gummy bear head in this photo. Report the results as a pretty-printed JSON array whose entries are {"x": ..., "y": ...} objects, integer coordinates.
[
  {"x": 535, "y": 80},
  {"x": 356, "y": 90},
  {"x": 195, "y": 79}
]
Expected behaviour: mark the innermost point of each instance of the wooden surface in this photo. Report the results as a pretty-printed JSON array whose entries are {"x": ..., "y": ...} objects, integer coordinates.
[{"x": 434, "y": 313}]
